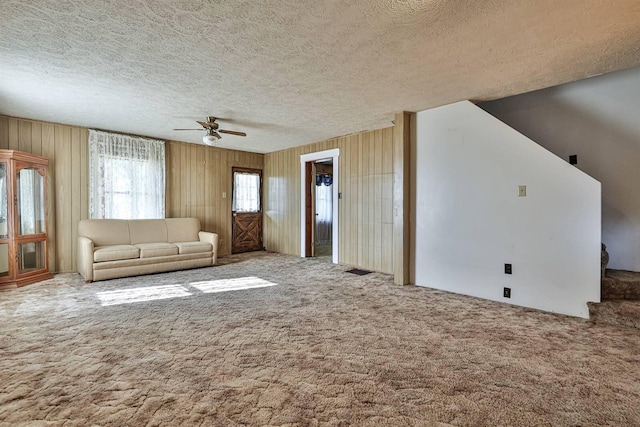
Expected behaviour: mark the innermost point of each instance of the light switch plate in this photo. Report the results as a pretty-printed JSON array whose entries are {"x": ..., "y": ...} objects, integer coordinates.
[{"x": 522, "y": 191}]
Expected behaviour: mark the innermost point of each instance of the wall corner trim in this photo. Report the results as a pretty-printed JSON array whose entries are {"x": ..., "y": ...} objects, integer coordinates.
[{"x": 401, "y": 198}]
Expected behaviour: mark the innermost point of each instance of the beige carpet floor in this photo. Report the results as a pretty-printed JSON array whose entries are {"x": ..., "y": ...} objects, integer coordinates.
[{"x": 303, "y": 344}]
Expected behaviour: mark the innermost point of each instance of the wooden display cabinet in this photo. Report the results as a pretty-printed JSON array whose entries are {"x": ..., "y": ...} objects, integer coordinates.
[{"x": 23, "y": 219}]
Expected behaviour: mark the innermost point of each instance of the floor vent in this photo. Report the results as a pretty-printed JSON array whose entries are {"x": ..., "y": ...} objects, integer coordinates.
[{"x": 358, "y": 271}]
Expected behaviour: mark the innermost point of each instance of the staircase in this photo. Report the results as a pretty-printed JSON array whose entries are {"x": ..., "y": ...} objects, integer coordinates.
[{"x": 620, "y": 300}]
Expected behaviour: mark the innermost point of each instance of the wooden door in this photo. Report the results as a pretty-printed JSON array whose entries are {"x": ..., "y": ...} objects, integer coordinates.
[
  {"x": 247, "y": 210},
  {"x": 310, "y": 209}
]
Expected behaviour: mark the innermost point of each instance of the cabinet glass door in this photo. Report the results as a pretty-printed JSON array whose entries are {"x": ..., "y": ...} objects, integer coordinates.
[
  {"x": 30, "y": 188},
  {"x": 4, "y": 247},
  {"x": 4, "y": 259},
  {"x": 3, "y": 201},
  {"x": 30, "y": 256}
]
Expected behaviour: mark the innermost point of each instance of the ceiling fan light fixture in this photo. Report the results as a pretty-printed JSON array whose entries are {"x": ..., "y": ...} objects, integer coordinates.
[
  {"x": 211, "y": 128},
  {"x": 210, "y": 139}
]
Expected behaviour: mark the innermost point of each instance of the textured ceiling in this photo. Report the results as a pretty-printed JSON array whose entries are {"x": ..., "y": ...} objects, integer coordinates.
[{"x": 291, "y": 72}]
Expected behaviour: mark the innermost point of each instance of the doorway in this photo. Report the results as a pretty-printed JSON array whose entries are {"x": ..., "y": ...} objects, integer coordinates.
[
  {"x": 323, "y": 208},
  {"x": 316, "y": 229},
  {"x": 246, "y": 210}
]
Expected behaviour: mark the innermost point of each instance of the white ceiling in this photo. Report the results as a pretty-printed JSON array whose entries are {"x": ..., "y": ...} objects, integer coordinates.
[{"x": 292, "y": 72}]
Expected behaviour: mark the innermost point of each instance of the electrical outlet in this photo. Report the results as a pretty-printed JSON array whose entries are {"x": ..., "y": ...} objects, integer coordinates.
[
  {"x": 507, "y": 269},
  {"x": 224, "y": 195},
  {"x": 522, "y": 191},
  {"x": 506, "y": 293}
]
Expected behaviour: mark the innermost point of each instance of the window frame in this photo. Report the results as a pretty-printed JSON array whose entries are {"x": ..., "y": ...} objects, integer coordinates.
[
  {"x": 247, "y": 171},
  {"x": 105, "y": 151}
]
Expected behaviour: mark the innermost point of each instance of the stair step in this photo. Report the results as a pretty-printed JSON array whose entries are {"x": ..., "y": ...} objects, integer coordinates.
[
  {"x": 621, "y": 284},
  {"x": 616, "y": 312}
]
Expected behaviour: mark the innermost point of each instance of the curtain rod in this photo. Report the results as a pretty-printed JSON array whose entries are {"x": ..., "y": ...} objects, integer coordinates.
[{"x": 126, "y": 134}]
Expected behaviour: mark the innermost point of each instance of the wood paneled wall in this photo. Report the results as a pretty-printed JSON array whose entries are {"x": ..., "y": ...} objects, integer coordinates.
[
  {"x": 197, "y": 177},
  {"x": 365, "y": 210},
  {"x": 67, "y": 179}
]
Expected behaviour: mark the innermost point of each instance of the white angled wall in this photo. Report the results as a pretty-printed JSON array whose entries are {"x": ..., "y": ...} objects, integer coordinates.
[
  {"x": 469, "y": 220},
  {"x": 598, "y": 120}
]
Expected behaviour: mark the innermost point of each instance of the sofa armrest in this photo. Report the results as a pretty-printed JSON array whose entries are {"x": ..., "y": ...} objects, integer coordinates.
[
  {"x": 212, "y": 238},
  {"x": 84, "y": 263}
]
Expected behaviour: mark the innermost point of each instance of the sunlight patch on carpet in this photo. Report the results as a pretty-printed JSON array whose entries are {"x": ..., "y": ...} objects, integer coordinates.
[
  {"x": 225, "y": 285},
  {"x": 149, "y": 293}
]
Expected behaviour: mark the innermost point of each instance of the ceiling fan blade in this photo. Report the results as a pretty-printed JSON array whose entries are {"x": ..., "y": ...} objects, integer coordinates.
[
  {"x": 232, "y": 132},
  {"x": 189, "y": 129},
  {"x": 206, "y": 125}
]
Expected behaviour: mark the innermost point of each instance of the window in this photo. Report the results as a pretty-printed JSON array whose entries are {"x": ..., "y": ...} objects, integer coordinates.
[
  {"x": 246, "y": 192},
  {"x": 127, "y": 176}
]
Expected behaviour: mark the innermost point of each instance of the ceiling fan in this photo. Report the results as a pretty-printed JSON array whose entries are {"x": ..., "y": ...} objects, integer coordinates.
[{"x": 213, "y": 131}]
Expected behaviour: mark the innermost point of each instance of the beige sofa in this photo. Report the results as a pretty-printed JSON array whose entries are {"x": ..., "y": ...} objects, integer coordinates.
[{"x": 110, "y": 248}]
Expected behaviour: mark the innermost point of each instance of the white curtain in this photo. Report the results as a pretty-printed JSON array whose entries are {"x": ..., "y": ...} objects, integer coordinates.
[
  {"x": 324, "y": 211},
  {"x": 246, "y": 192},
  {"x": 127, "y": 176}
]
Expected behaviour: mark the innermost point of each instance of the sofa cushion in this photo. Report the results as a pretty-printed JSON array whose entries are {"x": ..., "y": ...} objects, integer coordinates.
[
  {"x": 115, "y": 252},
  {"x": 194, "y": 247},
  {"x": 182, "y": 229},
  {"x": 150, "y": 250},
  {"x": 147, "y": 231},
  {"x": 105, "y": 232},
  {"x": 109, "y": 265}
]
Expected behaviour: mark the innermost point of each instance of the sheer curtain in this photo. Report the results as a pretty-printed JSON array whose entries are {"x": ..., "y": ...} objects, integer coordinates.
[
  {"x": 324, "y": 209},
  {"x": 126, "y": 176},
  {"x": 246, "y": 192}
]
